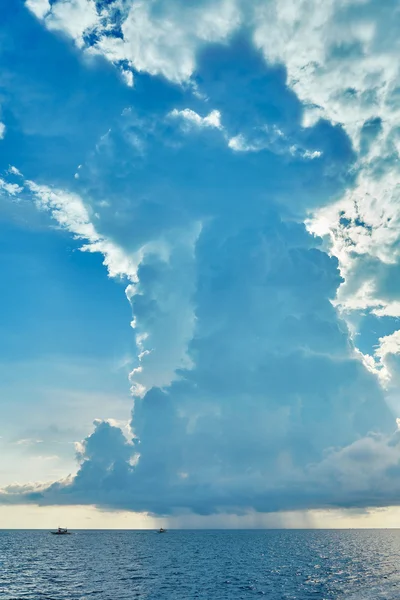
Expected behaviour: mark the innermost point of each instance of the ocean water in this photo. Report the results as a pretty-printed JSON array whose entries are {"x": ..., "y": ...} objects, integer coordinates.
[{"x": 278, "y": 565}]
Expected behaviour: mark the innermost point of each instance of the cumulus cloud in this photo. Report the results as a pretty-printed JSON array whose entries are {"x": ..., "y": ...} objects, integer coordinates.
[
  {"x": 340, "y": 61},
  {"x": 13, "y": 189},
  {"x": 75, "y": 18},
  {"x": 274, "y": 140},
  {"x": 246, "y": 374},
  {"x": 213, "y": 119},
  {"x": 341, "y": 65},
  {"x": 39, "y": 7},
  {"x": 70, "y": 213},
  {"x": 160, "y": 38},
  {"x": 13, "y": 170},
  {"x": 363, "y": 230},
  {"x": 387, "y": 362},
  {"x": 367, "y": 468},
  {"x": 249, "y": 391},
  {"x": 362, "y": 474}
]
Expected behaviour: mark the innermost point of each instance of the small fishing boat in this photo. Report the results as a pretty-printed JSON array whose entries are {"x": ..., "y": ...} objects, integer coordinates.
[
  {"x": 161, "y": 530},
  {"x": 61, "y": 531}
]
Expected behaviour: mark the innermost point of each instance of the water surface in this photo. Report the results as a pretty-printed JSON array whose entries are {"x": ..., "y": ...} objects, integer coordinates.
[{"x": 122, "y": 565}]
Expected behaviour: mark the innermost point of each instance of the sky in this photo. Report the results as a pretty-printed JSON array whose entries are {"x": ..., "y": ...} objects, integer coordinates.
[{"x": 200, "y": 262}]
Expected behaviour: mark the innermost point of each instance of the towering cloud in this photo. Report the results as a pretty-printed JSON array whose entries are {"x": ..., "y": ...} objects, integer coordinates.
[{"x": 210, "y": 199}]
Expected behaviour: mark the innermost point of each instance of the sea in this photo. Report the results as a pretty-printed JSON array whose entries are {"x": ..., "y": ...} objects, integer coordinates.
[{"x": 214, "y": 565}]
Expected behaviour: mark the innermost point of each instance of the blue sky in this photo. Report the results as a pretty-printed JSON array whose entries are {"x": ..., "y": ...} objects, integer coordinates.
[{"x": 200, "y": 256}]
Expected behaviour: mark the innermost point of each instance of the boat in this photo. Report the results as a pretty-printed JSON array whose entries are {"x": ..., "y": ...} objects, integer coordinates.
[
  {"x": 161, "y": 530},
  {"x": 61, "y": 531}
]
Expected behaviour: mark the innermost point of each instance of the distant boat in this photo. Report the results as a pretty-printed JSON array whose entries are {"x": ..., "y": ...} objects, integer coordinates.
[
  {"x": 161, "y": 530},
  {"x": 61, "y": 531}
]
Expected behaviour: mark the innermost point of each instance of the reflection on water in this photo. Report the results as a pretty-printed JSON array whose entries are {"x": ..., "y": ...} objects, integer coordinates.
[{"x": 281, "y": 565}]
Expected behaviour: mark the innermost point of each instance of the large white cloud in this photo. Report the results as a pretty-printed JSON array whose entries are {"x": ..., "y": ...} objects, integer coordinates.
[
  {"x": 249, "y": 391},
  {"x": 246, "y": 375},
  {"x": 341, "y": 60},
  {"x": 73, "y": 17},
  {"x": 160, "y": 38}
]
